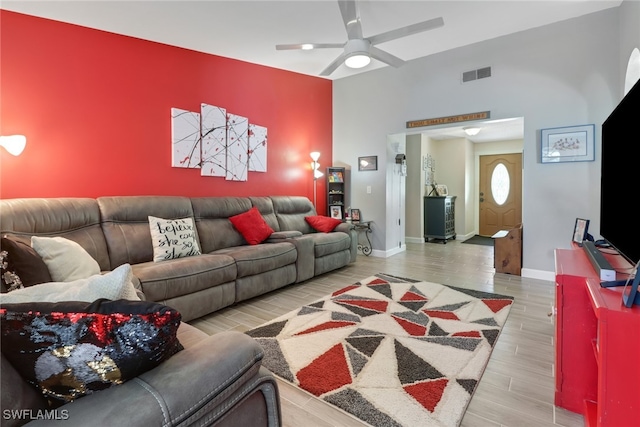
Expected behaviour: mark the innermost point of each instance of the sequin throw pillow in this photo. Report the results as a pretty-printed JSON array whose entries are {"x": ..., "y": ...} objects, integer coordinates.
[{"x": 71, "y": 349}]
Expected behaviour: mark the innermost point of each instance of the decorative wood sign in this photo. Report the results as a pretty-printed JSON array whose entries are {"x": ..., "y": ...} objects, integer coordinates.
[{"x": 449, "y": 119}]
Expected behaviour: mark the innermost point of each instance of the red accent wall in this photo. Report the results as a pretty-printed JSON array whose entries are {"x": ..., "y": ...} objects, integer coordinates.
[{"x": 96, "y": 110}]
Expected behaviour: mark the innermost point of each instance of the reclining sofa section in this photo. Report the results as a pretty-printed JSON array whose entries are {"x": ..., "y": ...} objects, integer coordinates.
[{"x": 115, "y": 231}]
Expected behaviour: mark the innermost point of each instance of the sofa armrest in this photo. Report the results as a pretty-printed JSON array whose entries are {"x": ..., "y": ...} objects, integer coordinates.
[
  {"x": 200, "y": 384},
  {"x": 281, "y": 236},
  {"x": 347, "y": 227},
  {"x": 344, "y": 227}
]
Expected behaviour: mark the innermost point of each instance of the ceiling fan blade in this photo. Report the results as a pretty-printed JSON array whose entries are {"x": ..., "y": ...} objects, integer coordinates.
[
  {"x": 407, "y": 31},
  {"x": 333, "y": 66},
  {"x": 312, "y": 46},
  {"x": 385, "y": 57},
  {"x": 351, "y": 18}
]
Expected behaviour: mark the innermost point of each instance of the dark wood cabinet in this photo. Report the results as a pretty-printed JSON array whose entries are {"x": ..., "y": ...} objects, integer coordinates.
[{"x": 439, "y": 218}]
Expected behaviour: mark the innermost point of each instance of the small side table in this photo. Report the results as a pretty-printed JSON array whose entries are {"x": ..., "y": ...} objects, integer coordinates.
[{"x": 360, "y": 227}]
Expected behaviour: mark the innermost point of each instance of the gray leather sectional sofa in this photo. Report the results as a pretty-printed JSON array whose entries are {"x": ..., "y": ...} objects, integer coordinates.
[{"x": 216, "y": 379}]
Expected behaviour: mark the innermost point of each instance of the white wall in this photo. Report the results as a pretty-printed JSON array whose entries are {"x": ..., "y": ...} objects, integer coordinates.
[
  {"x": 394, "y": 207},
  {"x": 415, "y": 189},
  {"x": 451, "y": 164},
  {"x": 563, "y": 74},
  {"x": 629, "y": 36}
]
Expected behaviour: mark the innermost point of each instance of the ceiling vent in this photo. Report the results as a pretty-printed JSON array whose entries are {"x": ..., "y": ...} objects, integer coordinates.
[{"x": 480, "y": 73}]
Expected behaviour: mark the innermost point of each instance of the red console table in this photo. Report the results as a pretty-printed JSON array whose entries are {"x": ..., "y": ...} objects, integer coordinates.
[{"x": 597, "y": 344}]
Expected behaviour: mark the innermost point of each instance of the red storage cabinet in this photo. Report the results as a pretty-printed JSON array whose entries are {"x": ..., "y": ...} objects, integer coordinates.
[{"x": 597, "y": 344}]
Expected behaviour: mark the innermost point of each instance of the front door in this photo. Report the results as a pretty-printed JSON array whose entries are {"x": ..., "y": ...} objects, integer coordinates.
[{"x": 500, "y": 193}]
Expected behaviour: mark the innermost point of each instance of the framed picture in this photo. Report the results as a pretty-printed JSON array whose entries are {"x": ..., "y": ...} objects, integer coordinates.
[
  {"x": 336, "y": 212},
  {"x": 442, "y": 190},
  {"x": 567, "y": 144},
  {"x": 580, "y": 231},
  {"x": 368, "y": 163},
  {"x": 355, "y": 215}
]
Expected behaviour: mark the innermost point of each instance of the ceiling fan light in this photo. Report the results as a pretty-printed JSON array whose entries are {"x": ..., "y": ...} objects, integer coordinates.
[{"x": 357, "y": 60}]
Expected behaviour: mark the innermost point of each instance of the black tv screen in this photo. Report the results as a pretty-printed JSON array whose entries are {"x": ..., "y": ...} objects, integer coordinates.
[{"x": 619, "y": 215}]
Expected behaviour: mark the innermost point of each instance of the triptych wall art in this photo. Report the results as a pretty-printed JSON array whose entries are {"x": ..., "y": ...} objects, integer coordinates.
[{"x": 218, "y": 143}]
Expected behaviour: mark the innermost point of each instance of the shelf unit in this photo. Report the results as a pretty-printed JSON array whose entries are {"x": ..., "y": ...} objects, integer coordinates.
[
  {"x": 439, "y": 218},
  {"x": 336, "y": 192},
  {"x": 597, "y": 344}
]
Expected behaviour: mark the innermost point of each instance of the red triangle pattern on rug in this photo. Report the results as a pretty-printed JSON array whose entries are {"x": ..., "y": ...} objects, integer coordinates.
[
  {"x": 412, "y": 329},
  {"x": 440, "y": 314},
  {"x": 351, "y": 348},
  {"x": 325, "y": 326},
  {"x": 313, "y": 379},
  {"x": 379, "y": 306},
  {"x": 428, "y": 393},
  {"x": 412, "y": 296},
  {"x": 496, "y": 304},
  {"x": 343, "y": 290}
]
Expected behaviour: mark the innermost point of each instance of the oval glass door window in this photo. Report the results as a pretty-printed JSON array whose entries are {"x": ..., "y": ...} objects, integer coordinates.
[{"x": 500, "y": 184}]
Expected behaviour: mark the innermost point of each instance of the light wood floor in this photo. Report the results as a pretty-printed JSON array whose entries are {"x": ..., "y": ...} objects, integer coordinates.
[{"x": 517, "y": 387}]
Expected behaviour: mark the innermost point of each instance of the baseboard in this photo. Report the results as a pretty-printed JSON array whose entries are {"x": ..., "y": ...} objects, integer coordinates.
[
  {"x": 387, "y": 254},
  {"x": 465, "y": 236},
  {"x": 414, "y": 239}
]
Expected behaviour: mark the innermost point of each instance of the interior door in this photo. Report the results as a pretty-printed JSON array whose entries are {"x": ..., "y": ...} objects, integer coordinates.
[{"x": 500, "y": 192}]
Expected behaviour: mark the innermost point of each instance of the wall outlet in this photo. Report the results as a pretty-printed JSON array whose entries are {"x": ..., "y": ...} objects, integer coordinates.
[{"x": 368, "y": 189}]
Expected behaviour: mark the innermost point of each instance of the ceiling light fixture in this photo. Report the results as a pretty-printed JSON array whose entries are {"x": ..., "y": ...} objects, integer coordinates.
[
  {"x": 356, "y": 53},
  {"x": 307, "y": 46},
  {"x": 472, "y": 130}
]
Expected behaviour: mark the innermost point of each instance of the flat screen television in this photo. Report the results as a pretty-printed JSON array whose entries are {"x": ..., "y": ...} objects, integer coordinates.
[{"x": 620, "y": 179}]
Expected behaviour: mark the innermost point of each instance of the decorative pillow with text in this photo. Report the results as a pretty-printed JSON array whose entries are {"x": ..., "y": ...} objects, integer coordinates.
[{"x": 173, "y": 238}]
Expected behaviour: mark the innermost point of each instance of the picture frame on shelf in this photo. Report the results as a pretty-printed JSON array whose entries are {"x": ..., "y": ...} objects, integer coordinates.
[
  {"x": 336, "y": 176},
  {"x": 355, "y": 215},
  {"x": 368, "y": 163},
  {"x": 442, "y": 190},
  {"x": 336, "y": 212},
  {"x": 580, "y": 231},
  {"x": 567, "y": 144}
]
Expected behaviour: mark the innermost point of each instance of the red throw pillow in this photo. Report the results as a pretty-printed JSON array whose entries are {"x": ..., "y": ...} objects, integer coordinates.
[
  {"x": 323, "y": 223},
  {"x": 252, "y": 226}
]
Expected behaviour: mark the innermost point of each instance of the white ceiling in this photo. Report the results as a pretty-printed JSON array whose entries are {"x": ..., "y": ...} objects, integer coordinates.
[{"x": 249, "y": 30}]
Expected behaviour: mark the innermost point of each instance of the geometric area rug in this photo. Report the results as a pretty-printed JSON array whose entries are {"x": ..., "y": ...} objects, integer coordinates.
[{"x": 390, "y": 351}]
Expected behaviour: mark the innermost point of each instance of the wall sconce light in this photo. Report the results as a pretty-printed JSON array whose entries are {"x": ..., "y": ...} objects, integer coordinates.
[
  {"x": 472, "y": 130},
  {"x": 14, "y": 144},
  {"x": 315, "y": 167}
]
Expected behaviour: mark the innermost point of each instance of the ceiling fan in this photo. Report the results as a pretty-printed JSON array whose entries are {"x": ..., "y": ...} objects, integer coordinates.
[{"x": 359, "y": 50}]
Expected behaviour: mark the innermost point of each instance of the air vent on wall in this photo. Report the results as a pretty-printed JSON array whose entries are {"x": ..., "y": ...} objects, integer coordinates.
[{"x": 480, "y": 73}]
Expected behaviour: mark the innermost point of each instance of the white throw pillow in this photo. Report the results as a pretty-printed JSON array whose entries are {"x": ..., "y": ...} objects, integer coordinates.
[
  {"x": 173, "y": 238},
  {"x": 66, "y": 260},
  {"x": 113, "y": 285}
]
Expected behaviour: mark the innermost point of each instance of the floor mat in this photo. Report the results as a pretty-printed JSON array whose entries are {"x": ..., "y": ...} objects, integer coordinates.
[{"x": 480, "y": 240}]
